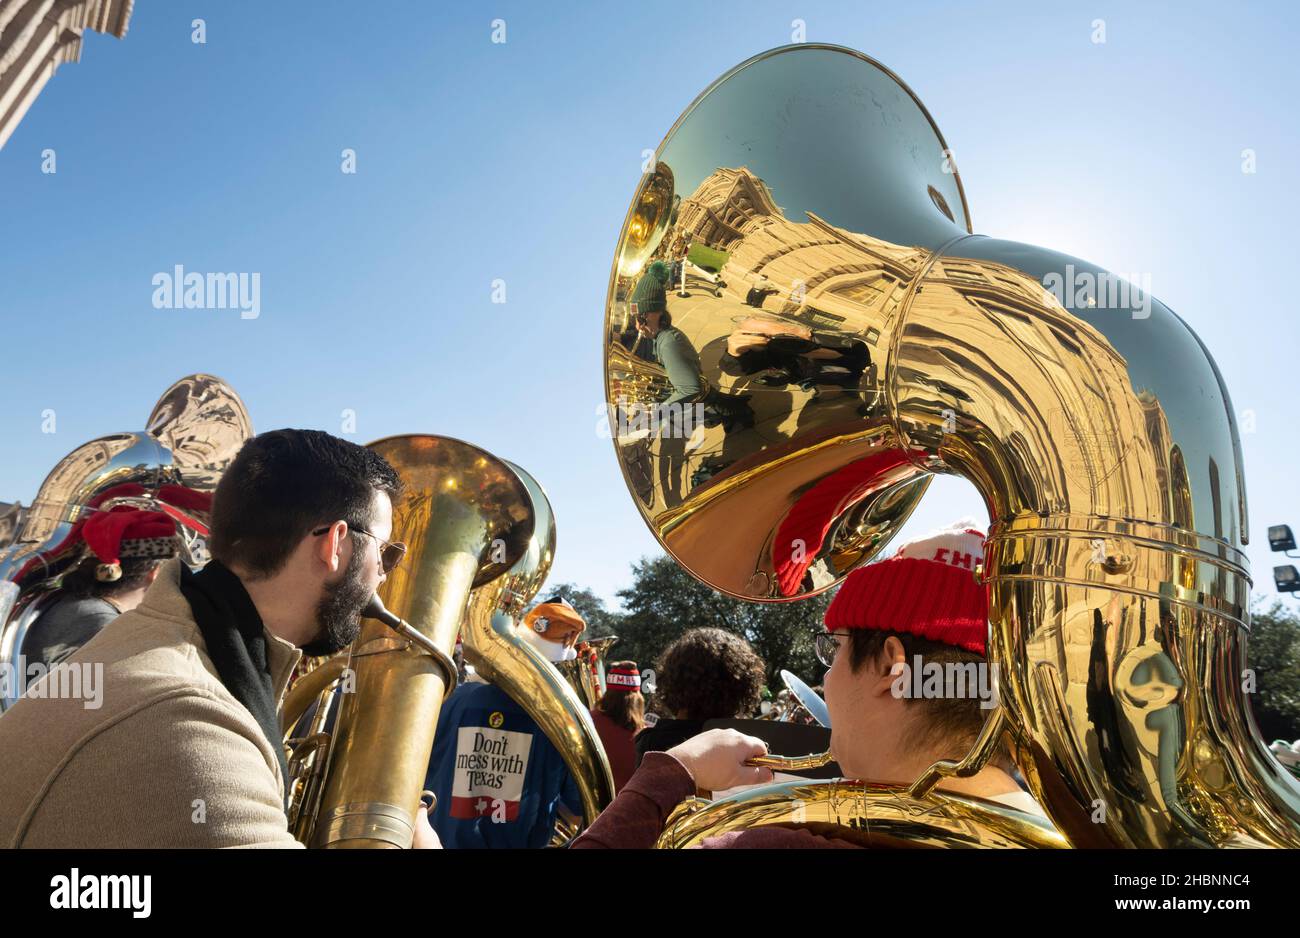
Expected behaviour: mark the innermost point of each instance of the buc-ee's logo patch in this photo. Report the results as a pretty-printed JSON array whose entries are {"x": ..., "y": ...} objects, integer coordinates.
[{"x": 496, "y": 719}]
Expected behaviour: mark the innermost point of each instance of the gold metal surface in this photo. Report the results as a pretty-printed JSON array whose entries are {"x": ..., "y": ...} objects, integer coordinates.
[
  {"x": 791, "y": 763},
  {"x": 308, "y": 747},
  {"x": 466, "y": 519},
  {"x": 492, "y": 644},
  {"x": 880, "y": 342},
  {"x": 879, "y": 816},
  {"x": 586, "y": 673}
]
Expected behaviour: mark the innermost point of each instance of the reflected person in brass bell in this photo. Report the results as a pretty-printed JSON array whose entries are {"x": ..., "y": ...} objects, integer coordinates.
[
  {"x": 779, "y": 353},
  {"x": 680, "y": 360},
  {"x": 671, "y": 347}
]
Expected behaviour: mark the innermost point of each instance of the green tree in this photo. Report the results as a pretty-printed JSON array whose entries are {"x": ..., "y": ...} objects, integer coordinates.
[
  {"x": 1273, "y": 652},
  {"x": 664, "y": 601}
]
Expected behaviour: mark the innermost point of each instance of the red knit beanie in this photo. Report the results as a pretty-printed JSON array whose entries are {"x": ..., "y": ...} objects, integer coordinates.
[
  {"x": 928, "y": 589},
  {"x": 623, "y": 676}
]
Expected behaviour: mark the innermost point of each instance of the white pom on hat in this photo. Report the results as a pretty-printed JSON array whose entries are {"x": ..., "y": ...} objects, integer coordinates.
[{"x": 960, "y": 544}]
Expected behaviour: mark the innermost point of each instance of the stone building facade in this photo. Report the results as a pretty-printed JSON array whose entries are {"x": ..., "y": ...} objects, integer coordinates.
[{"x": 37, "y": 36}]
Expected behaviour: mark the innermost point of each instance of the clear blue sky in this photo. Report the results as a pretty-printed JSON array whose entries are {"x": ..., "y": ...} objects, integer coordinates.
[{"x": 517, "y": 161}]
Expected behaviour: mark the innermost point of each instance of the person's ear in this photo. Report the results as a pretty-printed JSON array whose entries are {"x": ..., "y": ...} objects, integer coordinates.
[
  {"x": 330, "y": 547},
  {"x": 151, "y": 576},
  {"x": 889, "y": 665}
]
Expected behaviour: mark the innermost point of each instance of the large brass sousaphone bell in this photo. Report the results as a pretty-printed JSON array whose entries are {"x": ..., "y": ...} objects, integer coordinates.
[{"x": 871, "y": 340}]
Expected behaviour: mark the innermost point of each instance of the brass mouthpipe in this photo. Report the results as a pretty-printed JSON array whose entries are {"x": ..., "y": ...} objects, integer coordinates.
[
  {"x": 376, "y": 610},
  {"x": 791, "y": 763}
]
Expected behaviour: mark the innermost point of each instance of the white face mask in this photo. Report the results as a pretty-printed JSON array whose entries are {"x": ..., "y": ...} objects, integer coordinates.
[{"x": 553, "y": 652}]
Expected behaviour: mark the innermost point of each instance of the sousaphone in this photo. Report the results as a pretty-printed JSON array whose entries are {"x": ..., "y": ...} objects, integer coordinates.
[{"x": 881, "y": 341}]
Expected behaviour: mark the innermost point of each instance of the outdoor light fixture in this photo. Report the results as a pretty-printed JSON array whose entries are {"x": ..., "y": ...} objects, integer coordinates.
[
  {"x": 1287, "y": 579},
  {"x": 1280, "y": 537}
]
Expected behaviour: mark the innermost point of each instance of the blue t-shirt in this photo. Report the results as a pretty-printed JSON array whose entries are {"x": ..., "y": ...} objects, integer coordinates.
[{"x": 498, "y": 779}]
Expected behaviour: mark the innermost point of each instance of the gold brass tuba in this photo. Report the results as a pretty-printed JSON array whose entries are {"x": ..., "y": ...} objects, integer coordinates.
[
  {"x": 466, "y": 519},
  {"x": 880, "y": 341},
  {"x": 194, "y": 431},
  {"x": 498, "y": 653}
]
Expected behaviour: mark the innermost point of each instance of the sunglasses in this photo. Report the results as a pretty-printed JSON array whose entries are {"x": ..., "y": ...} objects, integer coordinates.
[
  {"x": 827, "y": 646},
  {"x": 390, "y": 552}
]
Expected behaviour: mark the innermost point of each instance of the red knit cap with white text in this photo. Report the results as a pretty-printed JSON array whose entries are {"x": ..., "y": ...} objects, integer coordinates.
[
  {"x": 927, "y": 589},
  {"x": 623, "y": 676}
]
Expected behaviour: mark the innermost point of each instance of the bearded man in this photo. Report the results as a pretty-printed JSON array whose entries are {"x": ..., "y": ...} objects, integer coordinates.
[{"x": 184, "y": 747}]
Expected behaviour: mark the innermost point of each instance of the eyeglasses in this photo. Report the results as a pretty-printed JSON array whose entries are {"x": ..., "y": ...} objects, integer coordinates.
[
  {"x": 827, "y": 646},
  {"x": 390, "y": 552}
]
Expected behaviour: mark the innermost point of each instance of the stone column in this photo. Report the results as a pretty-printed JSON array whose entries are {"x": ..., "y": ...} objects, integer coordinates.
[{"x": 37, "y": 36}]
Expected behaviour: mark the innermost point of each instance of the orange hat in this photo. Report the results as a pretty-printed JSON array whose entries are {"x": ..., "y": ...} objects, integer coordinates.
[{"x": 553, "y": 618}]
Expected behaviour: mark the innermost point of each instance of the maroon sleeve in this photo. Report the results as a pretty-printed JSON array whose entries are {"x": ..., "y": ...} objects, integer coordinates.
[{"x": 635, "y": 819}]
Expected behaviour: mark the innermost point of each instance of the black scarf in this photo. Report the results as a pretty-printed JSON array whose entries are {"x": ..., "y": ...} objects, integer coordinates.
[{"x": 236, "y": 641}]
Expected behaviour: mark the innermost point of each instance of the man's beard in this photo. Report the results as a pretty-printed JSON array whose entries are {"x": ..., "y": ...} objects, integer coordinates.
[{"x": 339, "y": 612}]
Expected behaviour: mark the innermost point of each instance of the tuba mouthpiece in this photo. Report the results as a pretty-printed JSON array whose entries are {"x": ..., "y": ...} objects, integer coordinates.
[{"x": 375, "y": 610}]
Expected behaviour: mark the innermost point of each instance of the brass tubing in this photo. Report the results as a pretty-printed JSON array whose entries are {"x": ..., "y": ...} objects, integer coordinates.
[{"x": 791, "y": 763}]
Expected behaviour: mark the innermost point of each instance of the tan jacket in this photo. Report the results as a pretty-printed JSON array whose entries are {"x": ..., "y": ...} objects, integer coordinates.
[{"x": 169, "y": 759}]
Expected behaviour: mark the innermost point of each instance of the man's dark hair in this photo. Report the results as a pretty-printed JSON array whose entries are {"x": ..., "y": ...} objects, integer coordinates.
[
  {"x": 283, "y": 484},
  {"x": 949, "y": 723},
  {"x": 81, "y": 582},
  {"x": 710, "y": 674}
]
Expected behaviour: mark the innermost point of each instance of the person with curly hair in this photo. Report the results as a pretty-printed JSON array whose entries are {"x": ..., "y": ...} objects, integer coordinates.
[{"x": 707, "y": 674}]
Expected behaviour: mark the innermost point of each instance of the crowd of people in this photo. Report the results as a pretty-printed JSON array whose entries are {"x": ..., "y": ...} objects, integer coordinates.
[{"x": 187, "y": 748}]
